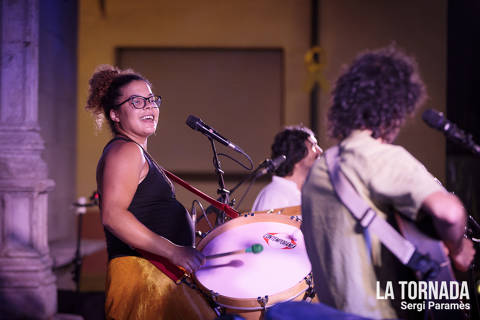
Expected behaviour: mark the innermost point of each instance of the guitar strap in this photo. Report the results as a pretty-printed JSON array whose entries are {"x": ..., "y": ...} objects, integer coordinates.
[
  {"x": 366, "y": 216},
  {"x": 232, "y": 213}
]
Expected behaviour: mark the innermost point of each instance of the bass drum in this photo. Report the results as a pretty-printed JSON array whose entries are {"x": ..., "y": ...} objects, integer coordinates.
[{"x": 248, "y": 283}]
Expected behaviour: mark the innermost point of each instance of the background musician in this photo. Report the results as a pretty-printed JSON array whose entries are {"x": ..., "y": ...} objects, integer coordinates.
[{"x": 299, "y": 145}]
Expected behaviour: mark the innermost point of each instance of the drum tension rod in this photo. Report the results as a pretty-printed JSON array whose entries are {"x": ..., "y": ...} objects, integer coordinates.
[
  {"x": 214, "y": 295},
  {"x": 308, "y": 280},
  {"x": 295, "y": 218},
  {"x": 310, "y": 292},
  {"x": 262, "y": 301}
]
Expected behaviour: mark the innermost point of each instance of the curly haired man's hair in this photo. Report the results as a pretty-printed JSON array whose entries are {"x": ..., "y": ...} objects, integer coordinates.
[
  {"x": 377, "y": 92},
  {"x": 105, "y": 86},
  {"x": 291, "y": 143}
]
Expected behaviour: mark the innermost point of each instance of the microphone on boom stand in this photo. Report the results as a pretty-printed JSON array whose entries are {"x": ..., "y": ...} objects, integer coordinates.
[
  {"x": 268, "y": 166},
  {"x": 212, "y": 135},
  {"x": 437, "y": 120}
]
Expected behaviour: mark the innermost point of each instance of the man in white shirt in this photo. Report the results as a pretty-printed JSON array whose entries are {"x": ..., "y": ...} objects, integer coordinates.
[{"x": 299, "y": 145}]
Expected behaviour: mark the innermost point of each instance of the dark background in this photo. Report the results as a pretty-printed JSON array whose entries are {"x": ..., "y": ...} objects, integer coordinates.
[{"x": 463, "y": 70}]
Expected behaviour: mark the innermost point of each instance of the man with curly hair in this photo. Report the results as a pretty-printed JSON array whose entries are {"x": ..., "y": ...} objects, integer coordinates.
[
  {"x": 299, "y": 145},
  {"x": 371, "y": 101}
]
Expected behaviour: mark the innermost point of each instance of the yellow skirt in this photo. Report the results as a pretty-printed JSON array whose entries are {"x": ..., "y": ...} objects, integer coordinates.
[{"x": 136, "y": 289}]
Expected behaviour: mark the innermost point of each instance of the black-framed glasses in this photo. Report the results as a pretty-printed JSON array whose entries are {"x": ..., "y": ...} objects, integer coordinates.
[{"x": 139, "y": 102}]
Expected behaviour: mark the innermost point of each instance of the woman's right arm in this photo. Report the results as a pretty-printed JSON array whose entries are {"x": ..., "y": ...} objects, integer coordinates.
[{"x": 123, "y": 168}]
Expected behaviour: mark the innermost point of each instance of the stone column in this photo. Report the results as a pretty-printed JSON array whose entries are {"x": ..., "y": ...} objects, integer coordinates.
[{"x": 27, "y": 284}]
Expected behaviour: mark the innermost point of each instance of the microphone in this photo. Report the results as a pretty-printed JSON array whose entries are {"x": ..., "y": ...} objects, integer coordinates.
[
  {"x": 436, "y": 120},
  {"x": 269, "y": 166},
  {"x": 197, "y": 124}
]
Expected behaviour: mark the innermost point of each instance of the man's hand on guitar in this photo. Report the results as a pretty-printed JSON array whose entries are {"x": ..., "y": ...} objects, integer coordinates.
[
  {"x": 449, "y": 218},
  {"x": 463, "y": 257}
]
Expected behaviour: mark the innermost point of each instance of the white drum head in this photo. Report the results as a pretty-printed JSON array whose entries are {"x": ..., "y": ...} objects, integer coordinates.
[{"x": 281, "y": 265}]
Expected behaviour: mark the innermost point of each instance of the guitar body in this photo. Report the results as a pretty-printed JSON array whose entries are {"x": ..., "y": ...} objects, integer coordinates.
[
  {"x": 421, "y": 236},
  {"x": 428, "y": 245}
]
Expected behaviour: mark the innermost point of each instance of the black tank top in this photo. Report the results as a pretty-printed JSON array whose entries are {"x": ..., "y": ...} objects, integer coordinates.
[{"x": 154, "y": 205}]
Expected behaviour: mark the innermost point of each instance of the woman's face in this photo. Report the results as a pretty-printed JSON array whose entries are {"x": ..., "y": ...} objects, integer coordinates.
[{"x": 136, "y": 122}]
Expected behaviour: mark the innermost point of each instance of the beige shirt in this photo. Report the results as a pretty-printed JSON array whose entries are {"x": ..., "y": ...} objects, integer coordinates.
[{"x": 387, "y": 176}]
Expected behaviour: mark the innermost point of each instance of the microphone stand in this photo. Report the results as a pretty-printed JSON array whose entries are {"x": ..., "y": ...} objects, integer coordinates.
[
  {"x": 81, "y": 209},
  {"x": 222, "y": 191},
  {"x": 251, "y": 176},
  {"x": 465, "y": 141}
]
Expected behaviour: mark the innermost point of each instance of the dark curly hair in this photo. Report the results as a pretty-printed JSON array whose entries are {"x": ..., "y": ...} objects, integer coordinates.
[
  {"x": 377, "y": 92},
  {"x": 105, "y": 86},
  {"x": 291, "y": 143}
]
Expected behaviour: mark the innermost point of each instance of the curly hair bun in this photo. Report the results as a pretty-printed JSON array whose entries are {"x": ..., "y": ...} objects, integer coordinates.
[
  {"x": 99, "y": 84},
  {"x": 105, "y": 88}
]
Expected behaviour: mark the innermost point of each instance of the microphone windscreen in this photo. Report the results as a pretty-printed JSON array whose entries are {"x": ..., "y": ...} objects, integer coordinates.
[
  {"x": 434, "y": 118},
  {"x": 278, "y": 161},
  {"x": 192, "y": 122}
]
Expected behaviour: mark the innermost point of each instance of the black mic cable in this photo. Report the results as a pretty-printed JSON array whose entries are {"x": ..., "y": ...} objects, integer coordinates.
[{"x": 267, "y": 166}]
